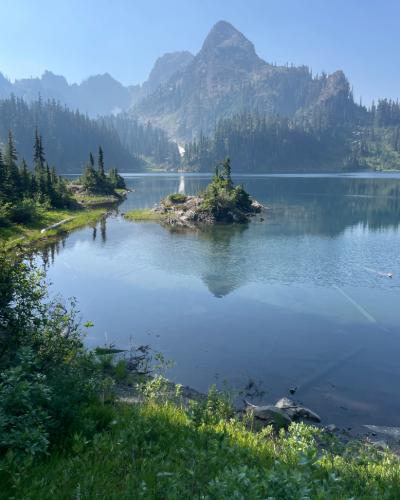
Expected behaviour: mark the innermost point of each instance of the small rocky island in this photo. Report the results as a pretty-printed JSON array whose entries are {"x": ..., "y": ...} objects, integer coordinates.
[{"x": 219, "y": 202}]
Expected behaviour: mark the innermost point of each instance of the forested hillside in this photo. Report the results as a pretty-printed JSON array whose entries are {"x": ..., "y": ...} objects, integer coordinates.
[
  {"x": 151, "y": 142},
  {"x": 68, "y": 135},
  {"x": 315, "y": 140}
]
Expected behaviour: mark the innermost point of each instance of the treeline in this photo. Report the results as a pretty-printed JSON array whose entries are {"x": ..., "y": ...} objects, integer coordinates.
[
  {"x": 23, "y": 191},
  {"x": 253, "y": 140},
  {"x": 151, "y": 142},
  {"x": 360, "y": 138},
  {"x": 68, "y": 134}
]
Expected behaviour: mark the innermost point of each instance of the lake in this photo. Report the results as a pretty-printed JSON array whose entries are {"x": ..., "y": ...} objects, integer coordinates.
[{"x": 299, "y": 299}]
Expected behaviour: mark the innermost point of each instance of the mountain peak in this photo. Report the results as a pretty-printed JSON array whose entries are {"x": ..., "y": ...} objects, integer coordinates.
[{"x": 223, "y": 35}]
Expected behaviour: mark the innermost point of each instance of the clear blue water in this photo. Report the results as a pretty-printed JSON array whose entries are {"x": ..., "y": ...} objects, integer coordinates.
[{"x": 301, "y": 298}]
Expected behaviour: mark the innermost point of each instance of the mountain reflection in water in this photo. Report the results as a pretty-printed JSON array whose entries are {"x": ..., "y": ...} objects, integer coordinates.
[{"x": 303, "y": 296}]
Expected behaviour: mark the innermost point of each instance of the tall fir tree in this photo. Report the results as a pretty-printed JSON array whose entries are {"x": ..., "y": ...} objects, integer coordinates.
[
  {"x": 24, "y": 177},
  {"x": 12, "y": 182},
  {"x": 100, "y": 165}
]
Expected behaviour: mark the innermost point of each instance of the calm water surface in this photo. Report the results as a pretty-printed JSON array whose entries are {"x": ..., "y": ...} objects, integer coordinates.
[{"x": 301, "y": 298}]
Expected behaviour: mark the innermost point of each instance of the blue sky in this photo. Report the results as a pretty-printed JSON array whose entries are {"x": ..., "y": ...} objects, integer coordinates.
[{"x": 79, "y": 38}]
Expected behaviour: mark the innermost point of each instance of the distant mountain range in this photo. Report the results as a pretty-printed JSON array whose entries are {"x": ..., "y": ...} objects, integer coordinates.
[
  {"x": 97, "y": 95},
  {"x": 187, "y": 96},
  {"x": 184, "y": 93}
]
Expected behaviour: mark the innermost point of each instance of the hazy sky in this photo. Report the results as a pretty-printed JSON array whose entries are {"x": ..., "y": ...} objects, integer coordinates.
[{"x": 79, "y": 38}]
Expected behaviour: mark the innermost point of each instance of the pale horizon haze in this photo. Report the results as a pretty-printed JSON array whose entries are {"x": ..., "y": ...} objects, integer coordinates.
[{"x": 80, "y": 39}]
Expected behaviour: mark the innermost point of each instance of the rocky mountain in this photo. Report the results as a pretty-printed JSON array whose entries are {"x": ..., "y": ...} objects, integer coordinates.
[
  {"x": 227, "y": 75},
  {"x": 165, "y": 67}
]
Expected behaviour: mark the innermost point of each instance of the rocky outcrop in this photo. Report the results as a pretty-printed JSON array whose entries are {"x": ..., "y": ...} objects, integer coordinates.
[
  {"x": 335, "y": 92},
  {"x": 191, "y": 211},
  {"x": 282, "y": 413}
]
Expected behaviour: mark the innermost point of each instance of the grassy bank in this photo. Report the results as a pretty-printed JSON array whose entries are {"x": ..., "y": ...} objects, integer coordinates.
[
  {"x": 161, "y": 450},
  {"x": 30, "y": 231},
  {"x": 144, "y": 215}
]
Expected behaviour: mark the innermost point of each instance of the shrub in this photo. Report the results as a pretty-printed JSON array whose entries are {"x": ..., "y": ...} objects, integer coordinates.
[
  {"x": 120, "y": 370},
  {"x": 106, "y": 360},
  {"x": 177, "y": 198},
  {"x": 23, "y": 421},
  {"x": 22, "y": 211}
]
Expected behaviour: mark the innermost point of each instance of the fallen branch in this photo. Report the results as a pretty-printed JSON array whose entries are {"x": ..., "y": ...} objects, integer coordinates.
[{"x": 56, "y": 225}]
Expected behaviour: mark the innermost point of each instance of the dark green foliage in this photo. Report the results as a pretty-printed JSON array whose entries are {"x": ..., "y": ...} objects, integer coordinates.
[
  {"x": 100, "y": 165},
  {"x": 259, "y": 142},
  {"x": 116, "y": 181},
  {"x": 45, "y": 381},
  {"x": 99, "y": 181},
  {"x": 177, "y": 198},
  {"x": 68, "y": 134},
  {"x": 221, "y": 196},
  {"x": 24, "y": 193}
]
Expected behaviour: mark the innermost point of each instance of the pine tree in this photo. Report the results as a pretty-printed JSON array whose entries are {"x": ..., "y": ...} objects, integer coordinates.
[
  {"x": 100, "y": 164},
  {"x": 49, "y": 186},
  {"x": 228, "y": 183},
  {"x": 53, "y": 175},
  {"x": 12, "y": 181},
  {"x": 38, "y": 156},
  {"x": 24, "y": 178},
  {"x": 11, "y": 155}
]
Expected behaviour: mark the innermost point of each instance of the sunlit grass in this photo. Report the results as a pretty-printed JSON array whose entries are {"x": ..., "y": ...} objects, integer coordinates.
[
  {"x": 154, "y": 451},
  {"x": 31, "y": 231},
  {"x": 145, "y": 215}
]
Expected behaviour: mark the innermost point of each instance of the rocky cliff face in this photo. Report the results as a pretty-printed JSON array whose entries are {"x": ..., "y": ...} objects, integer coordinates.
[
  {"x": 335, "y": 92},
  {"x": 225, "y": 76},
  {"x": 165, "y": 67}
]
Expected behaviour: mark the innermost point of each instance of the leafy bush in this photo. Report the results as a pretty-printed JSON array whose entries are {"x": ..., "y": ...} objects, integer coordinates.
[
  {"x": 177, "y": 198},
  {"x": 47, "y": 377},
  {"x": 21, "y": 211},
  {"x": 23, "y": 421}
]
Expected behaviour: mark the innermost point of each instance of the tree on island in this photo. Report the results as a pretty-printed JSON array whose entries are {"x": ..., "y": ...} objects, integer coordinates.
[
  {"x": 96, "y": 181},
  {"x": 221, "y": 196}
]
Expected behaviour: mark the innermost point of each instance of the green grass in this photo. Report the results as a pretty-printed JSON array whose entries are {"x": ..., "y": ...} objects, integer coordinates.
[
  {"x": 106, "y": 360},
  {"x": 120, "y": 370},
  {"x": 159, "y": 451},
  {"x": 144, "y": 215},
  {"x": 31, "y": 230}
]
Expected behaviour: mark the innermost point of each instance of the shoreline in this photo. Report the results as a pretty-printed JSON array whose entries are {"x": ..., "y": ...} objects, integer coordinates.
[{"x": 128, "y": 394}]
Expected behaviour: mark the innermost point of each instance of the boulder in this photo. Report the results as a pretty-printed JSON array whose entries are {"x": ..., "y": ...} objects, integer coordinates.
[
  {"x": 288, "y": 405},
  {"x": 272, "y": 414},
  {"x": 310, "y": 415}
]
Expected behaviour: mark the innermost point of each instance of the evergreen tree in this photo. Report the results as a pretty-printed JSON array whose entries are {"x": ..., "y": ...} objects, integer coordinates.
[
  {"x": 12, "y": 181},
  {"x": 228, "y": 183},
  {"x": 24, "y": 177},
  {"x": 38, "y": 156},
  {"x": 100, "y": 164}
]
